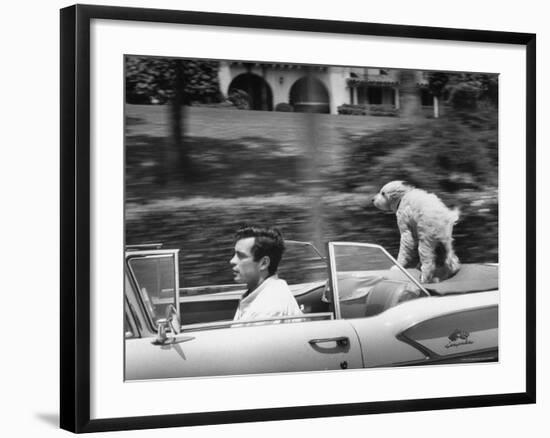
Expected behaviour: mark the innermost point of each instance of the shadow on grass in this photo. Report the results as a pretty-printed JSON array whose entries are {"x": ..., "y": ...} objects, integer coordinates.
[{"x": 245, "y": 167}]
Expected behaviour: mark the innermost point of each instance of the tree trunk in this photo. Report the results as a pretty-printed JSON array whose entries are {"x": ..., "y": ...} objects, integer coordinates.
[
  {"x": 177, "y": 149},
  {"x": 409, "y": 96}
]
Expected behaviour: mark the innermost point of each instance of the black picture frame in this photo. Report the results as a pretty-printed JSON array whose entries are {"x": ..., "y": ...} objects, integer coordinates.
[{"x": 75, "y": 216}]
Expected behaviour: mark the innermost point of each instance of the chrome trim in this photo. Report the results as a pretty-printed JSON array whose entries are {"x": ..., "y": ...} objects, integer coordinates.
[
  {"x": 142, "y": 316},
  {"x": 341, "y": 341},
  {"x": 143, "y": 246},
  {"x": 306, "y": 317},
  {"x": 137, "y": 293},
  {"x": 334, "y": 280},
  {"x": 132, "y": 318},
  {"x": 136, "y": 255},
  {"x": 150, "y": 252},
  {"x": 177, "y": 284},
  {"x": 451, "y": 358}
]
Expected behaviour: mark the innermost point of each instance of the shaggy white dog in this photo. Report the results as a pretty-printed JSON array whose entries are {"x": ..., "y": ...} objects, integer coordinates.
[{"x": 426, "y": 227}]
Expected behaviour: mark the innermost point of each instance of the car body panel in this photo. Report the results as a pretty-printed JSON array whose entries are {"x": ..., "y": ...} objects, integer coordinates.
[
  {"x": 384, "y": 337},
  {"x": 283, "y": 347}
]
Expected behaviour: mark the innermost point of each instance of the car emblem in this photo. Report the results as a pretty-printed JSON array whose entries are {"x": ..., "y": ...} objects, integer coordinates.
[{"x": 458, "y": 337}]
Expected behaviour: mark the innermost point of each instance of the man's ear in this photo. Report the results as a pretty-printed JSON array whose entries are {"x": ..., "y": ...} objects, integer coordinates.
[{"x": 265, "y": 261}]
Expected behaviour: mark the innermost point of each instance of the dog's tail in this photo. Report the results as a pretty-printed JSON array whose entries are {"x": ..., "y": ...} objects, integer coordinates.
[{"x": 455, "y": 215}]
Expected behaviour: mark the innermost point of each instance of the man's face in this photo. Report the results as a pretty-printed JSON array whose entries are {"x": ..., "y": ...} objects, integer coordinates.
[{"x": 245, "y": 269}]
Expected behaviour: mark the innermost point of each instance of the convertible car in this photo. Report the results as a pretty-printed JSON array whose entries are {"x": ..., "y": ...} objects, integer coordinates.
[{"x": 360, "y": 309}]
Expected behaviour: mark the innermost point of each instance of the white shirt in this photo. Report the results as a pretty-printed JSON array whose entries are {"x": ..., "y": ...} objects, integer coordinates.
[{"x": 270, "y": 299}]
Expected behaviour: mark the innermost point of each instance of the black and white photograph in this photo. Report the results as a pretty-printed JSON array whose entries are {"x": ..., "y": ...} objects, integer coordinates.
[
  {"x": 286, "y": 217},
  {"x": 268, "y": 218},
  {"x": 275, "y": 219}
]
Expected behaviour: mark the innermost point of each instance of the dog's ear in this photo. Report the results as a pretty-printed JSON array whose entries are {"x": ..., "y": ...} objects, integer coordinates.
[
  {"x": 407, "y": 184},
  {"x": 394, "y": 192},
  {"x": 394, "y": 198}
]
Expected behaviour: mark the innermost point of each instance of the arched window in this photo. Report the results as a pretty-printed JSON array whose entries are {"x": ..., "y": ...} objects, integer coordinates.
[
  {"x": 259, "y": 94},
  {"x": 309, "y": 94}
]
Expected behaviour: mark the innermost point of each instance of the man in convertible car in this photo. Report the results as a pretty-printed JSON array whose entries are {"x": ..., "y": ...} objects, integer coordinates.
[{"x": 258, "y": 252}]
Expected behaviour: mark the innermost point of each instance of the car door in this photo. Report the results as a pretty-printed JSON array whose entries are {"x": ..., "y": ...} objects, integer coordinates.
[
  {"x": 398, "y": 323},
  {"x": 246, "y": 349}
]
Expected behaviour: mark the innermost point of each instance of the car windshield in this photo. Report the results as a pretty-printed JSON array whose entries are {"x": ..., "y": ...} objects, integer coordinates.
[
  {"x": 302, "y": 263},
  {"x": 361, "y": 257}
]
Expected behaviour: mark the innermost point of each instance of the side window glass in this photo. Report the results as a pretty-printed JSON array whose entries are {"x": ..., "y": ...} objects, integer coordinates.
[{"x": 156, "y": 281}]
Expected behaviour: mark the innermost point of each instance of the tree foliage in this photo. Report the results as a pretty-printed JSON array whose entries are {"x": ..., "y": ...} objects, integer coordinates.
[
  {"x": 465, "y": 91},
  {"x": 154, "y": 80},
  {"x": 179, "y": 82},
  {"x": 240, "y": 98},
  {"x": 437, "y": 81},
  {"x": 449, "y": 154}
]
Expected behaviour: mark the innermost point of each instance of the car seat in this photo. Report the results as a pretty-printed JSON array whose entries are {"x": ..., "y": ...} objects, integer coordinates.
[{"x": 387, "y": 294}]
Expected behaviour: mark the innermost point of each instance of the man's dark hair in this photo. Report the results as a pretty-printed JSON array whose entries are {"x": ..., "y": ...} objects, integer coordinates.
[{"x": 267, "y": 242}]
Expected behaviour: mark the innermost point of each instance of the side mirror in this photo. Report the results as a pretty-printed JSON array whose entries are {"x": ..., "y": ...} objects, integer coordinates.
[
  {"x": 173, "y": 319},
  {"x": 171, "y": 322}
]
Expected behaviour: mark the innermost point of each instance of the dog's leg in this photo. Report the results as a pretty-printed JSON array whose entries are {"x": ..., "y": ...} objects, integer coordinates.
[
  {"x": 452, "y": 263},
  {"x": 447, "y": 263},
  {"x": 407, "y": 248},
  {"x": 427, "y": 259}
]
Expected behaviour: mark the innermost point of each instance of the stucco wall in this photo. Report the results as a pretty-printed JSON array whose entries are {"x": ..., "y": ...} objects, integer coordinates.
[{"x": 281, "y": 79}]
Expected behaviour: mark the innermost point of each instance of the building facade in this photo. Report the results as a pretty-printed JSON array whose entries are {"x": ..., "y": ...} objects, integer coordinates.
[{"x": 334, "y": 90}]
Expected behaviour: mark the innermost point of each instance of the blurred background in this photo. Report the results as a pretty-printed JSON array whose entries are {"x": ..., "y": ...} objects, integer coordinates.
[{"x": 213, "y": 145}]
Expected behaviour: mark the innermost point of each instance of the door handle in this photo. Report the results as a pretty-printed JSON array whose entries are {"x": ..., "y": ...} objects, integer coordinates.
[{"x": 341, "y": 341}]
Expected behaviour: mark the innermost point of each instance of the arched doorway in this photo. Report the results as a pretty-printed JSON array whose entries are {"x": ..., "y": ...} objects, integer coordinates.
[
  {"x": 259, "y": 93},
  {"x": 309, "y": 94}
]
